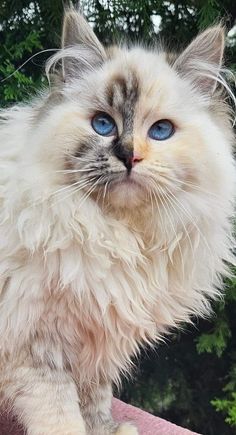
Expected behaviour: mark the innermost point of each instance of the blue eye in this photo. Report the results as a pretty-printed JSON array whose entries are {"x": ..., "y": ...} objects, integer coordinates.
[
  {"x": 161, "y": 130},
  {"x": 103, "y": 124}
]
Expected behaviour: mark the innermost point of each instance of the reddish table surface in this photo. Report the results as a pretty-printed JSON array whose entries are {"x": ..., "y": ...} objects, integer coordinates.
[{"x": 146, "y": 423}]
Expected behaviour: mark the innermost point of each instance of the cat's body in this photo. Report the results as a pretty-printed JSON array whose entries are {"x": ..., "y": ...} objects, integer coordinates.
[{"x": 87, "y": 279}]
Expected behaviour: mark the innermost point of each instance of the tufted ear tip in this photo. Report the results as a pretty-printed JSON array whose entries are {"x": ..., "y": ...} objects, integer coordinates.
[
  {"x": 214, "y": 38},
  {"x": 78, "y": 34},
  {"x": 71, "y": 24},
  {"x": 201, "y": 61}
]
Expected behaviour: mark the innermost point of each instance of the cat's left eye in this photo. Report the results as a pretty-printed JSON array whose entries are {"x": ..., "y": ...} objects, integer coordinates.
[
  {"x": 104, "y": 124},
  {"x": 161, "y": 130}
]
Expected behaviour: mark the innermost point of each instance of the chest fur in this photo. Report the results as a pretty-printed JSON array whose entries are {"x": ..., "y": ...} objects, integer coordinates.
[{"x": 101, "y": 316}]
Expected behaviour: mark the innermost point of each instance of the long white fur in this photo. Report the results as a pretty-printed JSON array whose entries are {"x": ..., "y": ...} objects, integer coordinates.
[
  {"x": 36, "y": 234},
  {"x": 85, "y": 287}
]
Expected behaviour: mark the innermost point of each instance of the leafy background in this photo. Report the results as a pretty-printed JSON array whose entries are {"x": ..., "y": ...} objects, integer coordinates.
[{"x": 190, "y": 380}]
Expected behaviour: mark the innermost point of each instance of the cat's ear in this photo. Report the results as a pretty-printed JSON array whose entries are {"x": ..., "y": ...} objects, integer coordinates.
[
  {"x": 81, "y": 46},
  {"x": 201, "y": 61}
]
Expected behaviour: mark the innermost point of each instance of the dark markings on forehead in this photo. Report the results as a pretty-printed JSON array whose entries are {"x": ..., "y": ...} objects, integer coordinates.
[
  {"x": 116, "y": 92},
  {"x": 121, "y": 90},
  {"x": 122, "y": 95}
]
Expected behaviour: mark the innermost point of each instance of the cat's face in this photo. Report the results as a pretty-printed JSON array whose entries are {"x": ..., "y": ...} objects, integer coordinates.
[{"x": 135, "y": 130}]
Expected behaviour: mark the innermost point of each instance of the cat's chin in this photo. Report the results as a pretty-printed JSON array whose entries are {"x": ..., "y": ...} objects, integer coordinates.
[{"x": 127, "y": 193}]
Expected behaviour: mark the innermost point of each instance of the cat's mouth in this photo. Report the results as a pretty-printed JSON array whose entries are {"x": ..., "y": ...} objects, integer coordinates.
[
  {"x": 130, "y": 191},
  {"x": 126, "y": 190},
  {"x": 120, "y": 190},
  {"x": 128, "y": 180}
]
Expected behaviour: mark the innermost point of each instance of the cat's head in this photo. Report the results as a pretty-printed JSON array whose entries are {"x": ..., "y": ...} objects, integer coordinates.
[{"x": 133, "y": 126}]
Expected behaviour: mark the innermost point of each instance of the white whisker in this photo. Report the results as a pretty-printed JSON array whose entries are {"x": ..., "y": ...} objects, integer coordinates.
[
  {"x": 75, "y": 187},
  {"x": 163, "y": 196},
  {"x": 165, "y": 205},
  {"x": 190, "y": 217},
  {"x": 172, "y": 199}
]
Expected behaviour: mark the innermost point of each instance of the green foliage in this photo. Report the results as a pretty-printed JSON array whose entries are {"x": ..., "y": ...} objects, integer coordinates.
[
  {"x": 23, "y": 34},
  {"x": 16, "y": 82},
  {"x": 227, "y": 406},
  {"x": 216, "y": 340},
  {"x": 192, "y": 379},
  {"x": 227, "y": 403},
  {"x": 209, "y": 13}
]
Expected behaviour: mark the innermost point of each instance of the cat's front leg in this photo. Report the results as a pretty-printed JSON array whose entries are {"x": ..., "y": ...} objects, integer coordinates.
[
  {"x": 96, "y": 410},
  {"x": 45, "y": 401}
]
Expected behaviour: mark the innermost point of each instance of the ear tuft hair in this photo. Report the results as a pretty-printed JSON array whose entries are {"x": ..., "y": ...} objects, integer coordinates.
[
  {"x": 201, "y": 61},
  {"x": 80, "y": 50}
]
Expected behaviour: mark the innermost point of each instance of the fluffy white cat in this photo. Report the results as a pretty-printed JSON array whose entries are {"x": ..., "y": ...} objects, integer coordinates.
[{"x": 117, "y": 190}]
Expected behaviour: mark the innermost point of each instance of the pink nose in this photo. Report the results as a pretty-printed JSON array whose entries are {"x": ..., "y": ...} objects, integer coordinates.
[{"x": 136, "y": 158}]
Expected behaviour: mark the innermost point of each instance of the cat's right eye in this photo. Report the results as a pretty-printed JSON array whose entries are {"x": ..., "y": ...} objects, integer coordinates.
[
  {"x": 104, "y": 124},
  {"x": 161, "y": 130}
]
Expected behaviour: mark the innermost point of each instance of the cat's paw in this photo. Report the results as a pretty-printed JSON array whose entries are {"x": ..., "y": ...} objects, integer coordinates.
[{"x": 127, "y": 429}]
